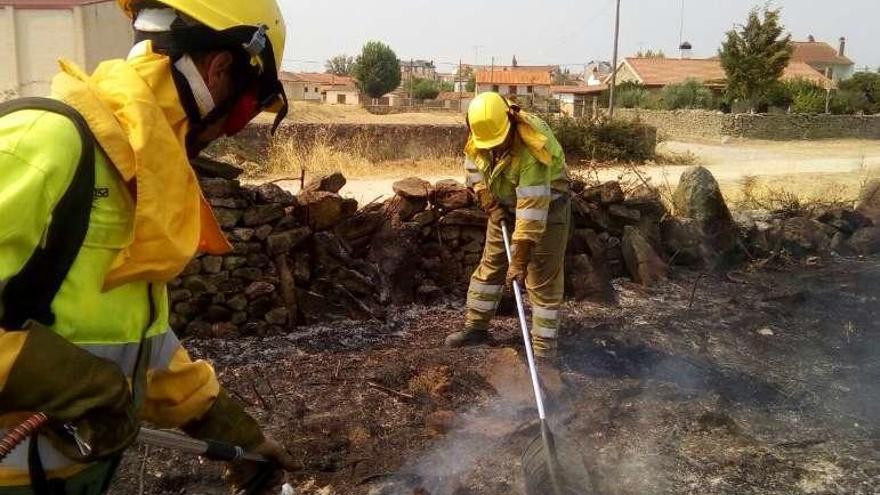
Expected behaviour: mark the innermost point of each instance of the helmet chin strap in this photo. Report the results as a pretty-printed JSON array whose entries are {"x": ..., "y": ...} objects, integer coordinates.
[{"x": 200, "y": 92}]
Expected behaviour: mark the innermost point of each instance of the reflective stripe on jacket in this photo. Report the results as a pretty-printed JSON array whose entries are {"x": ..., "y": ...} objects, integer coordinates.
[
  {"x": 526, "y": 179},
  {"x": 38, "y": 154}
]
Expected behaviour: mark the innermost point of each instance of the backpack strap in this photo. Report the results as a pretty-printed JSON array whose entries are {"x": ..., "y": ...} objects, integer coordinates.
[{"x": 29, "y": 294}]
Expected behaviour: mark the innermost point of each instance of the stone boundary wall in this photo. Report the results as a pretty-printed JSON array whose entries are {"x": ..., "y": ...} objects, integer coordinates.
[
  {"x": 318, "y": 257},
  {"x": 703, "y": 124}
]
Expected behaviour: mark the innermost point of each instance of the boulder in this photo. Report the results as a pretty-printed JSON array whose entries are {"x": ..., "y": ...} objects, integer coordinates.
[
  {"x": 271, "y": 193},
  {"x": 331, "y": 183},
  {"x": 357, "y": 229},
  {"x": 451, "y": 195},
  {"x": 682, "y": 240},
  {"x": 413, "y": 188},
  {"x": 206, "y": 167},
  {"x": 227, "y": 218},
  {"x": 699, "y": 197},
  {"x": 866, "y": 241},
  {"x": 623, "y": 214},
  {"x": 868, "y": 203},
  {"x": 284, "y": 242},
  {"x": 800, "y": 236},
  {"x": 403, "y": 209},
  {"x": 258, "y": 289},
  {"x": 606, "y": 193},
  {"x": 319, "y": 210},
  {"x": 588, "y": 280},
  {"x": 212, "y": 264},
  {"x": 465, "y": 217},
  {"x": 262, "y": 214},
  {"x": 642, "y": 262},
  {"x": 219, "y": 188},
  {"x": 844, "y": 220}
]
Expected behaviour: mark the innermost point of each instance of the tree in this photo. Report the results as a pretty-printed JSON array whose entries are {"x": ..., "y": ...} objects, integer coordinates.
[
  {"x": 340, "y": 65},
  {"x": 563, "y": 78},
  {"x": 447, "y": 86},
  {"x": 471, "y": 85},
  {"x": 755, "y": 55},
  {"x": 425, "y": 89},
  {"x": 865, "y": 87},
  {"x": 377, "y": 69}
]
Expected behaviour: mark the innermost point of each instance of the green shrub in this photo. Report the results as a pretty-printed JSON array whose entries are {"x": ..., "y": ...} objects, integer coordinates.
[
  {"x": 632, "y": 98},
  {"x": 864, "y": 90},
  {"x": 848, "y": 102},
  {"x": 690, "y": 94},
  {"x": 604, "y": 141},
  {"x": 806, "y": 96}
]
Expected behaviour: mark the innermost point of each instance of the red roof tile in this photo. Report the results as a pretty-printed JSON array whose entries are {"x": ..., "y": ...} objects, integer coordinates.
[
  {"x": 665, "y": 71},
  {"x": 817, "y": 52},
  {"x": 529, "y": 77},
  {"x": 317, "y": 78}
]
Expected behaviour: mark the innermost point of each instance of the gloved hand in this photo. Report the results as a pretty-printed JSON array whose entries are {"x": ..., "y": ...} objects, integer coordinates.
[
  {"x": 520, "y": 257},
  {"x": 248, "y": 476},
  {"x": 71, "y": 386},
  {"x": 490, "y": 205},
  {"x": 228, "y": 422}
]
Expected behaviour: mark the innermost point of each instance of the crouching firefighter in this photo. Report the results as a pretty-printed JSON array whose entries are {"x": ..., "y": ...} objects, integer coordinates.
[
  {"x": 517, "y": 170},
  {"x": 100, "y": 210}
]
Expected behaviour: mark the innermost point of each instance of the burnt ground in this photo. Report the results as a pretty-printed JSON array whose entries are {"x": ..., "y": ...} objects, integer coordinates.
[{"x": 764, "y": 380}]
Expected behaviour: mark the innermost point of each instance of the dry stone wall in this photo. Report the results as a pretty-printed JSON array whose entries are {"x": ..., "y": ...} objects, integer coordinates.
[
  {"x": 319, "y": 257},
  {"x": 702, "y": 124}
]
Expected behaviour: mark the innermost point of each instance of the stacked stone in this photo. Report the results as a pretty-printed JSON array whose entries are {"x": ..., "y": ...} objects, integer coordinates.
[{"x": 318, "y": 257}]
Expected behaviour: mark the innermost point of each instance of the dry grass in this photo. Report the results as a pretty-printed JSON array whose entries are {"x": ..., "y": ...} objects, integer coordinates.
[
  {"x": 303, "y": 111},
  {"x": 290, "y": 157}
]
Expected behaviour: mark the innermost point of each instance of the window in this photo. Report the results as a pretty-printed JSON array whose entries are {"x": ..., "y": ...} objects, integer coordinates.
[
  {"x": 306, "y": 89},
  {"x": 511, "y": 90},
  {"x": 530, "y": 89},
  {"x": 495, "y": 88},
  {"x": 340, "y": 98}
]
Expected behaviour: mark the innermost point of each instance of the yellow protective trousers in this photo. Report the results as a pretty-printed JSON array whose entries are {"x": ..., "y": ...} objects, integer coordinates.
[{"x": 545, "y": 279}]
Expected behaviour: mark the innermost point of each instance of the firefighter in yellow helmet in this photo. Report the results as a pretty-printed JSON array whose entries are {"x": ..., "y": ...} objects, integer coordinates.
[
  {"x": 101, "y": 209},
  {"x": 518, "y": 172}
]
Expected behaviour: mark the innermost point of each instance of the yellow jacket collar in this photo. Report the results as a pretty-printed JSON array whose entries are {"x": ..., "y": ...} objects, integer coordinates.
[{"x": 133, "y": 108}]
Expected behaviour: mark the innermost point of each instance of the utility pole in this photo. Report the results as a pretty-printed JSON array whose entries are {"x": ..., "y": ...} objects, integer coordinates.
[
  {"x": 614, "y": 63},
  {"x": 492, "y": 74},
  {"x": 681, "y": 26}
]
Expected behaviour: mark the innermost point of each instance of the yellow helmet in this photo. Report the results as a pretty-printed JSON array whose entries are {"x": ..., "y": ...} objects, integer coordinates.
[
  {"x": 489, "y": 120},
  {"x": 221, "y": 15},
  {"x": 256, "y": 26}
]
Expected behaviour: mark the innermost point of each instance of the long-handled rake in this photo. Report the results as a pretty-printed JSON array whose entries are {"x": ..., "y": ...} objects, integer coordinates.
[{"x": 541, "y": 465}]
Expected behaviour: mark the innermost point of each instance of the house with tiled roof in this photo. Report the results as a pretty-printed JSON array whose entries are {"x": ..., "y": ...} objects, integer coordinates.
[
  {"x": 823, "y": 57},
  {"x": 313, "y": 86},
  {"x": 515, "y": 83},
  {"x": 34, "y": 34},
  {"x": 655, "y": 73}
]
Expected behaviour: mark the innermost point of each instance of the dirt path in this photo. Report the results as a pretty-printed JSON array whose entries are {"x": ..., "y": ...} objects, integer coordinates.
[
  {"x": 810, "y": 168},
  {"x": 761, "y": 382}
]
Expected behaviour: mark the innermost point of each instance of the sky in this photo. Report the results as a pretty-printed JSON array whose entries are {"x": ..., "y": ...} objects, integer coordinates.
[{"x": 557, "y": 32}]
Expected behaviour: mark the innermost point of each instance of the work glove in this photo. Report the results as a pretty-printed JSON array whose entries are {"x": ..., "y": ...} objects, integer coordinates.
[
  {"x": 518, "y": 269},
  {"x": 228, "y": 422},
  {"x": 490, "y": 205},
  {"x": 78, "y": 391},
  {"x": 260, "y": 477}
]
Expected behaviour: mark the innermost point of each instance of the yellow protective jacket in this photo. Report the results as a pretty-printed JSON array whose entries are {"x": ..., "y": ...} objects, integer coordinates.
[
  {"x": 526, "y": 179},
  {"x": 104, "y": 304}
]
